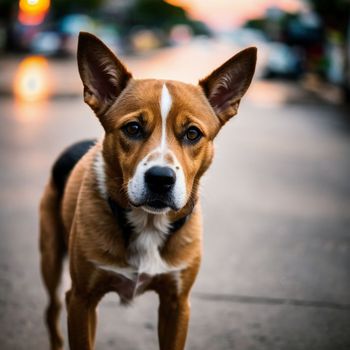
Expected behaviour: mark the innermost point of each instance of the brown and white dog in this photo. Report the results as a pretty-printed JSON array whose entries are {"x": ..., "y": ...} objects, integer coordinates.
[{"x": 126, "y": 209}]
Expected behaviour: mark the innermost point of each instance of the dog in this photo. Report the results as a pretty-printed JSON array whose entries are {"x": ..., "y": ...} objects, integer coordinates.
[{"x": 126, "y": 208}]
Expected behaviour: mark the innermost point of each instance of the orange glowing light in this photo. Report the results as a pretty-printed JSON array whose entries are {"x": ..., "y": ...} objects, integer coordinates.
[
  {"x": 29, "y": 19},
  {"x": 34, "y": 6},
  {"x": 32, "y": 81},
  {"x": 33, "y": 12}
]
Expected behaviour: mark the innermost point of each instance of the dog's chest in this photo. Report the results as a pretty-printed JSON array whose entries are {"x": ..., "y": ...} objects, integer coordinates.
[{"x": 143, "y": 254}]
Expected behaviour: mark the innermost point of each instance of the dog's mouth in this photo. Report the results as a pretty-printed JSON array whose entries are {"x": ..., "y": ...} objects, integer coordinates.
[{"x": 156, "y": 206}]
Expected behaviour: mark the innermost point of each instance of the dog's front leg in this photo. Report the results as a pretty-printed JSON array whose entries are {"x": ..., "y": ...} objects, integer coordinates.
[
  {"x": 174, "y": 307},
  {"x": 81, "y": 321},
  {"x": 174, "y": 314}
]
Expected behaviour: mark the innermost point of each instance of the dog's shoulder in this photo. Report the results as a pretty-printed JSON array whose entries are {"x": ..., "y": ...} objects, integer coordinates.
[{"x": 67, "y": 160}]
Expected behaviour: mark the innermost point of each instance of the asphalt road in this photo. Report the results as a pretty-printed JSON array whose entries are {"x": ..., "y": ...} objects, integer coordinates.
[{"x": 275, "y": 273}]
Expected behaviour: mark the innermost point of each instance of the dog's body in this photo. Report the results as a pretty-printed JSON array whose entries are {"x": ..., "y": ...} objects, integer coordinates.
[{"x": 126, "y": 208}]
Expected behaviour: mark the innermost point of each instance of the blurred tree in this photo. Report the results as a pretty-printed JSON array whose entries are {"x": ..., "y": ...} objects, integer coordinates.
[
  {"x": 160, "y": 14},
  {"x": 8, "y": 13},
  {"x": 64, "y": 7},
  {"x": 256, "y": 23},
  {"x": 335, "y": 15},
  {"x": 6, "y": 6}
]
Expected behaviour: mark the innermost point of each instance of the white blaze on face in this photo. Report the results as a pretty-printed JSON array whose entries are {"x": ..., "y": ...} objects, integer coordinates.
[
  {"x": 137, "y": 188},
  {"x": 165, "y": 107}
]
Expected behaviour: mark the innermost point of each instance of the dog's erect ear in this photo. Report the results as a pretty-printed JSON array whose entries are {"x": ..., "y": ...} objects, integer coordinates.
[
  {"x": 226, "y": 86},
  {"x": 103, "y": 75}
]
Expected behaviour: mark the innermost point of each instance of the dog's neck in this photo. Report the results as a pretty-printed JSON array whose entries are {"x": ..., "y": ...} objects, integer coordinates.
[{"x": 135, "y": 221}]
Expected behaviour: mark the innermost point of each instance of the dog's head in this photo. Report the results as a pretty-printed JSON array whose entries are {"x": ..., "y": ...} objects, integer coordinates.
[{"x": 159, "y": 133}]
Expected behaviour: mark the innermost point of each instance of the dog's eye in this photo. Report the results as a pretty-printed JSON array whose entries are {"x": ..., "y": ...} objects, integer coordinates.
[
  {"x": 193, "y": 134},
  {"x": 133, "y": 129}
]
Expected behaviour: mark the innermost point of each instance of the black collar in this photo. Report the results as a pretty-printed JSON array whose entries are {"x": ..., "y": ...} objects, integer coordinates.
[{"x": 127, "y": 230}]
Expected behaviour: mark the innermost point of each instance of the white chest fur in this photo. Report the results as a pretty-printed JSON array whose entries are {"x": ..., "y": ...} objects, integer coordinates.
[{"x": 150, "y": 232}]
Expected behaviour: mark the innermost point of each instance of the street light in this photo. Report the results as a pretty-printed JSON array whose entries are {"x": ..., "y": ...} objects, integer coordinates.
[{"x": 33, "y": 12}]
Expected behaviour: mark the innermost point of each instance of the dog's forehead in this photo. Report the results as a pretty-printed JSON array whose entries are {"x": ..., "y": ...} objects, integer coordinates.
[{"x": 147, "y": 94}]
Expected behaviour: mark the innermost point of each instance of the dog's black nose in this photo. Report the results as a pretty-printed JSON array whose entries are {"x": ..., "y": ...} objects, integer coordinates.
[{"x": 160, "y": 179}]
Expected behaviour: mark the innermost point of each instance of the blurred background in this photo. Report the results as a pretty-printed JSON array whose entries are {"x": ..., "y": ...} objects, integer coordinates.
[{"x": 276, "y": 202}]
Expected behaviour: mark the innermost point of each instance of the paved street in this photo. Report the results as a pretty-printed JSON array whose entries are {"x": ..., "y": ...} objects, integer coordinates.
[{"x": 275, "y": 273}]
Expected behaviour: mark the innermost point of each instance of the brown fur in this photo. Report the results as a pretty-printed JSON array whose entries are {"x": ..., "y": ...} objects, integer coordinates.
[{"x": 83, "y": 221}]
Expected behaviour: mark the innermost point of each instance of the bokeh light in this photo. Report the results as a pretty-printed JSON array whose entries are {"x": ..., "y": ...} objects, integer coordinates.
[
  {"x": 32, "y": 81},
  {"x": 33, "y": 12}
]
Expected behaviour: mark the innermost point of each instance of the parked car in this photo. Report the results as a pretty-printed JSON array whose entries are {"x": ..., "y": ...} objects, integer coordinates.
[{"x": 282, "y": 61}]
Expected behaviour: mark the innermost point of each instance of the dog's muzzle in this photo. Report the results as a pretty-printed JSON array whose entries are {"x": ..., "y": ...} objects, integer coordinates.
[
  {"x": 157, "y": 186},
  {"x": 159, "y": 181}
]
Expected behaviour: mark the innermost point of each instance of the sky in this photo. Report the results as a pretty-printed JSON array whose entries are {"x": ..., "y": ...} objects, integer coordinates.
[{"x": 221, "y": 14}]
